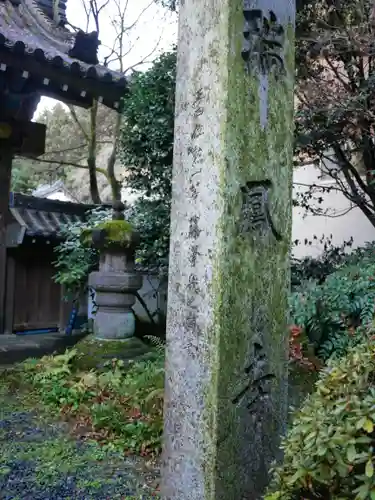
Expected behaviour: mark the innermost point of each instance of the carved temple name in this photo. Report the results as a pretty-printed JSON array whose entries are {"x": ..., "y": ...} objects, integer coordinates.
[
  {"x": 263, "y": 45},
  {"x": 255, "y": 211},
  {"x": 258, "y": 381}
]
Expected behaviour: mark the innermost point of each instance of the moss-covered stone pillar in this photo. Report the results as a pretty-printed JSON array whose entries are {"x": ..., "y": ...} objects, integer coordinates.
[
  {"x": 226, "y": 371},
  {"x": 116, "y": 281}
]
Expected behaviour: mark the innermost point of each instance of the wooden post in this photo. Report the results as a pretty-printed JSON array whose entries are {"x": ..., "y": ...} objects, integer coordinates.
[
  {"x": 16, "y": 137},
  {"x": 6, "y": 157},
  {"x": 10, "y": 295}
]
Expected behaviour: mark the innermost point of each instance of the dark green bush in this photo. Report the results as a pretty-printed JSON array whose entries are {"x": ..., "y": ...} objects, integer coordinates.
[
  {"x": 330, "y": 313},
  {"x": 318, "y": 268},
  {"x": 329, "y": 450},
  {"x": 151, "y": 219}
]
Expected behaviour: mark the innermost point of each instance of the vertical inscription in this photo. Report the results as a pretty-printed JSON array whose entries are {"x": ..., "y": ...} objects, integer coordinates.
[
  {"x": 193, "y": 149},
  {"x": 263, "y": 47},
  {"x": 257, "y": 387},
  {"x": 198, "y": 111},
  {"x": 193, "y": 289},
  {"x": 263, "y": 51}
]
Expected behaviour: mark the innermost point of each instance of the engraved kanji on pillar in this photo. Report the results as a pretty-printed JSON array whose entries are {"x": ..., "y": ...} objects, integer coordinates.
[{"x": 255, "y": 211}]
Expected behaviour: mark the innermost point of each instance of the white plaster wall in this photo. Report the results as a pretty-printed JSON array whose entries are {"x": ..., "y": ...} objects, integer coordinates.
[
  {"x": 154, "y": 295},
  {"x": 341, "y": 224},
  {"x": 129, "y": 196}
]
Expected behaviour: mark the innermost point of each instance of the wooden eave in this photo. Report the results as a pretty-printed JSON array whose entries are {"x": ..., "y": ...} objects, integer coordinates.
[{"x": 40, "y": 52}]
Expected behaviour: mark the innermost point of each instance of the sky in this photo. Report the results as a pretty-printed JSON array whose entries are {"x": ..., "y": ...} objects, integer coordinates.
[{"x": 155, "y": 28}]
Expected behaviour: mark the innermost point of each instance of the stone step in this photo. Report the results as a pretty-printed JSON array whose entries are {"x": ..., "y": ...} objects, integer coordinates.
[{"x": 16, "y": 348}]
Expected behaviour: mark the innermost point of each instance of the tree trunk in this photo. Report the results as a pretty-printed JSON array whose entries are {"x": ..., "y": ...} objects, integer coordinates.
[
  {"x": 358, "y": 190},
  {"x": 115, "y": 184},
  {"x": 91, "y": 159}
]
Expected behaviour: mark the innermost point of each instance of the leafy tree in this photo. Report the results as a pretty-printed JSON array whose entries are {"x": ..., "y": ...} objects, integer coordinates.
[
  {"x": 24, "y": 179},
  {"x": 335, "y": 118},
  {"x": 146, "y": 149},
  {"x": 151, "y": 219},
  {"x": 67, "y": 146},
  {"x": 74, "y": 261},
  {"x": 147, "y": 132}
]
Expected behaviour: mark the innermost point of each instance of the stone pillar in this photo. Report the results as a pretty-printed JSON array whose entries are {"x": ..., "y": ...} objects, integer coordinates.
[
  {"x": 116, "y": 281},
  {"x": 226, "y": 369}
]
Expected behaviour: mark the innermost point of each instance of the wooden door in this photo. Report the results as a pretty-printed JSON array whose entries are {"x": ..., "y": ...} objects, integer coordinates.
[{"x": 37, "y": 296}]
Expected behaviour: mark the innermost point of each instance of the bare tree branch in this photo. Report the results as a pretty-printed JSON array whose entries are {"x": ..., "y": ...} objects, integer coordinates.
[
  {"x": 69, "y": 164},
  {"x": 121, "y": 46}
]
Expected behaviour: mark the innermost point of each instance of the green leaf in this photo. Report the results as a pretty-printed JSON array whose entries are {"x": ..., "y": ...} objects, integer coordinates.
[
  {"x": 369, "y": 471},
  {"x": 351, "y": 453},
  {"x": 368, "y": 426},
  {"x": 362, "y": 492}
]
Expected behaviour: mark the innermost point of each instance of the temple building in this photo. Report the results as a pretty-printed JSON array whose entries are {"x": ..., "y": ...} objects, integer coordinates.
[{"x": 42, "y": 54}]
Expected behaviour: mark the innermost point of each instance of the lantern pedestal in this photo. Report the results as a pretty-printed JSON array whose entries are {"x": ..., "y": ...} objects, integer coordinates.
[{"x": 115, "y": 291}]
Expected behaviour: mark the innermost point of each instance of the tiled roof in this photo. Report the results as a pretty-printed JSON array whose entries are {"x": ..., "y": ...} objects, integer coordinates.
[
  {"x": 40, "y": 223},
  {"x": 47, "y": 6},
  {"x": 28, "y": 33},
  {"x": 41, "y": 217},
  {"x": 48, "y": 190}
]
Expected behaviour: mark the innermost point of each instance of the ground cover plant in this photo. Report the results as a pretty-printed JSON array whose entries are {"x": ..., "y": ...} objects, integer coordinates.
[{"x": 119, "y": 404}]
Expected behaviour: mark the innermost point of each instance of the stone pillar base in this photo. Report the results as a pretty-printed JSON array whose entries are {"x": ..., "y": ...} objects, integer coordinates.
[
  {"x": 114, "y": 319},
  {"x": 114, "y": 325}
]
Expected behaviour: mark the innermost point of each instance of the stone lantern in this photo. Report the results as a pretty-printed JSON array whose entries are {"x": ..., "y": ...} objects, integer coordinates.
[{"x": 116, "y": 281}]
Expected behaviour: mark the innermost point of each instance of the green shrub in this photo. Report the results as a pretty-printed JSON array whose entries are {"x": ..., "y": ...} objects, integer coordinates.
[
  {"x": 329, "y": 261},
  {"x": 74, "y": 260},
  {"x": 330, "y": 313},
  {"x": 329, "y": 450}
]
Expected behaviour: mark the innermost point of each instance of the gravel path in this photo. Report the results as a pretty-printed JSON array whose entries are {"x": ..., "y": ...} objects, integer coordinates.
[{"x": 39, "y": 461}]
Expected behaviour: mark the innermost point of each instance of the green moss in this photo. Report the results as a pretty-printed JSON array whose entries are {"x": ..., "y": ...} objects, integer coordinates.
[
  {"x": 117, "y": 232},
  {"x": 92, "y": 353}
]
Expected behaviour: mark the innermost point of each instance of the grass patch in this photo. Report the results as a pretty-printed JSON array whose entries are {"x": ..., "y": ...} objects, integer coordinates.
[{"x": 40, "y": 460}]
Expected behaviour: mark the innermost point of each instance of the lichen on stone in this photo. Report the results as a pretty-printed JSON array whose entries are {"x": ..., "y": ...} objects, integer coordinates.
[{"x": 113, "y": 233}]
